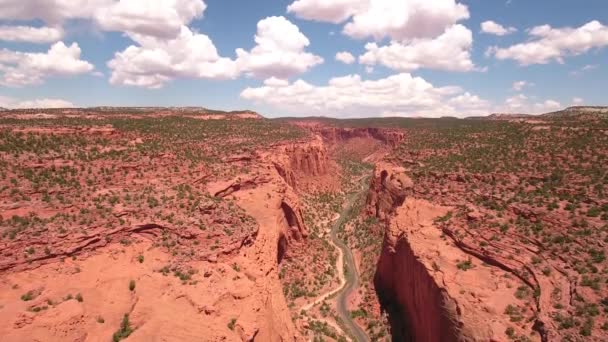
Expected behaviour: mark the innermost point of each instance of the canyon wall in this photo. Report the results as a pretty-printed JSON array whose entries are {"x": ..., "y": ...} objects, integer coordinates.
[
  {"x": 424, "y": 311},
  {"x": 432, "y": 287},
  {"x": 297, "y": 162},
  {"x": 389, "y": 137},
  {"x": 421, "y": 311}
]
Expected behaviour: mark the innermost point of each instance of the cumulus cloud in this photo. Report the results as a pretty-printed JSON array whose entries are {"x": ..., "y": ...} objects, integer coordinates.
[
  {"x": 494, "y": 28},
  {"x": 335, "y": 11},
  {"x": 345, "y": 57},
  {"x": 158, "y": 18},
  {"x": 50, "y": 11},
  {"x": 403, "y": 20},
  {"x": 578, "y": 101},
  {"x": 40, "y": 35},
  {"x": 554, "y": 44},
  {"x": 25, "y": 68},
  {"x": 522, "y": 104},
  {"x": 161, "y": 18},
  {"x": 156, "y": 61},
  {"x": 520, "y": 85},
  {"x": 7, "y": 102},
  {"x": 423, "y": 34},
  {"x": 351, "y": 96},
  {"x": 450, "y": 51},
  {"x": 279, "y": 51}
]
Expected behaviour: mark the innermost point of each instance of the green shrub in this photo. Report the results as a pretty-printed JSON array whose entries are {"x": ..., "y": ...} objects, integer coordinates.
[
  {"x": 231, "y": 324},
  {"x": 465, "y": 265},
  {"x": 124, "y": 331},
  {"x": 28, "y": 296}
]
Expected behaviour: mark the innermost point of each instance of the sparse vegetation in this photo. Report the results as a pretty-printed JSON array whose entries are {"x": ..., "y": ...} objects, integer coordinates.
[
  {"x": 232, "y": 323},
  {"x": 124, "y": 331}
]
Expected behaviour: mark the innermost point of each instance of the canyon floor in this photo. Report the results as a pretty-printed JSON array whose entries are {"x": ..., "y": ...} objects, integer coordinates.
[{"x": 186, "y": 224}]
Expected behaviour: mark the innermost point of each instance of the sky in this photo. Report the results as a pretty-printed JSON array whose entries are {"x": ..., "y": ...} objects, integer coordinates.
[{"x": 338, "y": 58}]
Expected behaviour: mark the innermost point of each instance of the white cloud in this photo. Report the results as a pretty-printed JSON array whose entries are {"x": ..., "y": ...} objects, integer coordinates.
[
  {"x": 517, "y": 102},
  {"x": 50, "y": 11},
  {"x": 548, "y": 105},
  {"x": 589, "y": 67},
  {"x": 396, "y": 95},
  {"x": 494, "y": 28},
  {"x": 158, "y": 18},
  {"x": 279, "y": 51},
  {"x": 470, "y": 101},
  {"x": 551, "y": 44},
  {"x": 398, "y": 20},
  {"x": 578, "y": 101},
  {"x": 403, "y": 20},
  {"x": 276, "y": 82},
  {"x": 161, "y": 18},
  {"x": 345, "y": 57},
  {"x": 520, "y": 85},
  {"x": 522, "y": 104},
  {"x": 450, "y": 51},
  {"x": 156, "y": 61},
  {"x": 30, "y": 34},
  {"x": 350, "y": 96},
  {"x": 24, "y": 68},
  {"x": 584, "y": 69},
  {"x": 7, "y": 102},
  {"x": 335, "y": 11}
]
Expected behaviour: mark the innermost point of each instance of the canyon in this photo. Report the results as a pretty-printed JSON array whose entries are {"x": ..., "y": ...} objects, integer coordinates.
[{"x": 160, "y": 224}]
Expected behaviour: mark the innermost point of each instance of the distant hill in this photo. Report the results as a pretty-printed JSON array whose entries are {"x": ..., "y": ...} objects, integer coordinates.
[
  {"x": 570, "y": 113},
  {"x": 197, "y": 112},
  {"x": 578, "y": 112},
  {"x": 505, "y": 116},
  {"x": 501, "y": 116}
]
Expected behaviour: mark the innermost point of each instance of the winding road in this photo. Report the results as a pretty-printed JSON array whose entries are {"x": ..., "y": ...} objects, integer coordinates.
[{"x": 349, "y": 278}]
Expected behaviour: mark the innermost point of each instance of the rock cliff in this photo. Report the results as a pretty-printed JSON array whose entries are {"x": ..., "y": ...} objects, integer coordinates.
[
  {"x": 432, "y": 288},
  {"x": 299, "y": 162},
  {"x": 389, "y": 137}
]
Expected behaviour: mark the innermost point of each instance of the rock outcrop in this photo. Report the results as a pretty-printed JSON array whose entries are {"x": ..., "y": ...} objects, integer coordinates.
[
  {"x": 389, "y": 137},
  {"x": 297, "y": 162},
  {"x": 432, "y": 288},
  {"x": 388, "y": 190}
]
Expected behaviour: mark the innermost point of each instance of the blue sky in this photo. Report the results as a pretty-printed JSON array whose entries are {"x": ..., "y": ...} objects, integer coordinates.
[{"x": 564, "y": 64}]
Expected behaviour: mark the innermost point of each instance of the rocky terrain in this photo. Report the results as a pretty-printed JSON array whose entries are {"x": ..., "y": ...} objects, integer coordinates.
[
  {"x": 497, "y": 229},
  {"x": 179, "y": 224},
  {"x": 146, "y": 225}
]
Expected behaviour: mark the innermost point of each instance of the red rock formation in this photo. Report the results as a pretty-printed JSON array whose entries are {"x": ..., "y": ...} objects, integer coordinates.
[
  {"x": 387, "y": 190},
  {"x": 401, "y": 279},
  {"x": 420, "y": 271},
  {"x": 301, "y": 160},
  {"x": 390, "y": 137},
  {"x": 427, "y": 312}
]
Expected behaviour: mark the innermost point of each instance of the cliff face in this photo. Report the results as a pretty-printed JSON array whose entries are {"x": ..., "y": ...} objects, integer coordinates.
[
  {"x": 433, "y": 289},
  {"x": 421, "y": 311},
  {"x": 389, "y": 137},
  {"x": 388, "y": 190},
  {"x": 298, "y": 161},
  {"x": 425, "y": 312}
]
